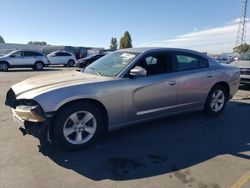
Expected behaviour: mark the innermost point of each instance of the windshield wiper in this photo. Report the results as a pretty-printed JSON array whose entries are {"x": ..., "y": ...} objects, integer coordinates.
[{"x": 98, "y": 73}]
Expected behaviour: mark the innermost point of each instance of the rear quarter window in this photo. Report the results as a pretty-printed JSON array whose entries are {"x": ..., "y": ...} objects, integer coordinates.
[
  {"x": 186, "y": 61},
  {"x": 203, "y": 62},
  {"x": 37, "y": 54}
]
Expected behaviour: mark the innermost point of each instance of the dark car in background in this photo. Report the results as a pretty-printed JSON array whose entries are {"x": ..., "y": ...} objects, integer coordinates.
[{"x": 84, "y": 62}]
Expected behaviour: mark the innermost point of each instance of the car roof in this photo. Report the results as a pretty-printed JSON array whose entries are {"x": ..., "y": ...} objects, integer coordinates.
[
  {"x": 61, "y": 51},
  {"x": 27, "y": 50},
  {"x": 154, "y": 49}
]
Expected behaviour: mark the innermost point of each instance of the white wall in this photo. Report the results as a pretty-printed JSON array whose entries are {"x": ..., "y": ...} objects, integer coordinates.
[{"x": 4, "y": 46}]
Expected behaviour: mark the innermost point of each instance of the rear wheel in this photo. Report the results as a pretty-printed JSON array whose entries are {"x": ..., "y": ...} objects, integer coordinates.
[
  {"x": 216, "y": 100},
  {"x": 77, "y": 126},
  {"x": 71, "y": 63},
  {"x": 38, "y": 66},
  {"x": 4, "y": 66}
]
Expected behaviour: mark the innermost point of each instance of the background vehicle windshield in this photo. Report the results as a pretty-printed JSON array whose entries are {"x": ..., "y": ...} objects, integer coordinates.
[{"x": 112, "y": 64}]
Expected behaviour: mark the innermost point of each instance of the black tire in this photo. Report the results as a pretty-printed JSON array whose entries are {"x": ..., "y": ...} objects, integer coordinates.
[
  {"x": 4, "y": 66},
  {"x": 210, "y": 107},
  {"x": 63, "y": 120},
  {"x": 71, "y": 63},
  {"x": 39, "y": 65}
]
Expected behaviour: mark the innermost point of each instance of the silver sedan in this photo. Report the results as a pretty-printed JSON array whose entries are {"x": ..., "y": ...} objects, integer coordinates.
[{"x": 123, "y": 88}]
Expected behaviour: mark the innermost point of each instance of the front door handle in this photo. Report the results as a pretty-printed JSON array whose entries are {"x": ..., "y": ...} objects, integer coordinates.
[{"x": 172, "y": 82}]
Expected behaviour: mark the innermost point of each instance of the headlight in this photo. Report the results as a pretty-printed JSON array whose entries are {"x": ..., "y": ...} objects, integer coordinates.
[{"x": 29, "y": 110}]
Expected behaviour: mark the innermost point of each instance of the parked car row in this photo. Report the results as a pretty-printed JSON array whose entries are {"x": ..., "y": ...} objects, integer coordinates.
[
  {"x": 37, "y": 60},
  {"x": 225, "y": 58}
]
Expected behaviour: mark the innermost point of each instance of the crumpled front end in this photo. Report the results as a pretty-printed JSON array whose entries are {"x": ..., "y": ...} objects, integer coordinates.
[
  {"x": 25, "y": 109},
  {"x": 28, "y": 114}
]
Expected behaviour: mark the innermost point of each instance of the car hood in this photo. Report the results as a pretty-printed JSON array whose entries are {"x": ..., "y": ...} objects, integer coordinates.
[
  {"x": 81, "y": 60},
  {"x": 3, "y": 57},
  {"x": 241, "y": 64},
  {"x": 47, "y": 82}
]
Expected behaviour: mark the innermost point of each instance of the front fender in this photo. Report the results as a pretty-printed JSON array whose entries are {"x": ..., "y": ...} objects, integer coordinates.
[{"x": 109, "y": 97}]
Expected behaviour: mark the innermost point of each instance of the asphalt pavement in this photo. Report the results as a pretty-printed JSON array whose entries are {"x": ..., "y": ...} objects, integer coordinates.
[{"x": 189, "y": 150}]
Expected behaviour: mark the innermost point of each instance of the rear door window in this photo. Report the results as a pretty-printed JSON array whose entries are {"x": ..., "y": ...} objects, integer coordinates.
[
  {"x": 31, "y": 54},
  {"x": 58, "y": 54},
  {"x": 66, "y": 54}
]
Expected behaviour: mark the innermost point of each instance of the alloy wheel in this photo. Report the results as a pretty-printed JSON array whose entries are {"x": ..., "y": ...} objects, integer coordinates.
[
  {"x": 217, "y": 100},
  {"x": 39, "y": 66},
  {"x": 79, "y": 127},
  {"x": 3, "y": 66}
]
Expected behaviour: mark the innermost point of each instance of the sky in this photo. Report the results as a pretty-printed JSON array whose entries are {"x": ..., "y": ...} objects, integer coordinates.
[{"x": 202, "y": 25}]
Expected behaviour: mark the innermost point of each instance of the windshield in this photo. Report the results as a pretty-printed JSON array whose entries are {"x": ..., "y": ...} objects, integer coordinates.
[
  {"x": 112, "y": 64},
  {"x": 245, "y": 56}
]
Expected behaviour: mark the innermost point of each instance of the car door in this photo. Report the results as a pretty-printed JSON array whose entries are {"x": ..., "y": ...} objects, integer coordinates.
[
  {"x": 151, "y": 95},
  {"x": 16, "y": 59},
  {"x": 28, "y": 58},
  {"x": 63, "y": 58},
  {"x": 55, "y": 58},
  {"x": 195, "y": 79}
]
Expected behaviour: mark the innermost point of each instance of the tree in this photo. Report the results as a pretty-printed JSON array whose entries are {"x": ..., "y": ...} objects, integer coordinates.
[
  {"x": 126, "y": 41},
  {"x": 113, "y": 45},
  {"x": 1, "y": 39},
  {"x": 121, "y": 43},
  {"x": 242, "y": 48},
  {"x": 37, "y": 42}
]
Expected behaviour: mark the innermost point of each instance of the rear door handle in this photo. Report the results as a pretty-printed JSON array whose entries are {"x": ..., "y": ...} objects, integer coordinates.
[
  {"x": 209, "y": 75},
  {"x": 172, "y": 82}
]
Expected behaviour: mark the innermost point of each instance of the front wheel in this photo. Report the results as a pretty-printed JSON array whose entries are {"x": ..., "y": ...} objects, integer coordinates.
[
  {"x": 4, "y": 66},
  {"x": 216, "y": 101},
  {"x": 77, "y": 126}
]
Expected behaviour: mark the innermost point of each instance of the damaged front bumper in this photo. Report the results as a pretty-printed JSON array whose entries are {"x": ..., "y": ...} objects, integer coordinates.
[{"x": 28, "y": 114}]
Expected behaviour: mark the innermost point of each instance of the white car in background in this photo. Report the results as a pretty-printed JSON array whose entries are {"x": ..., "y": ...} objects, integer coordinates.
[
  {"x": 23, "y": 59},
  {"x": 62, "y": 58}
]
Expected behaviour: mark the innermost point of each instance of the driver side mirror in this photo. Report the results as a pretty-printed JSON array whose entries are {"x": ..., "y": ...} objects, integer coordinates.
[
  {"x": 12, "y": 55},
  {"x": 138, "y": 71}
]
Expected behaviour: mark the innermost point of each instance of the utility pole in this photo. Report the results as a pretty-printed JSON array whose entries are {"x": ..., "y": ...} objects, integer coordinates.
[{"x": 241, "y": 36}]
